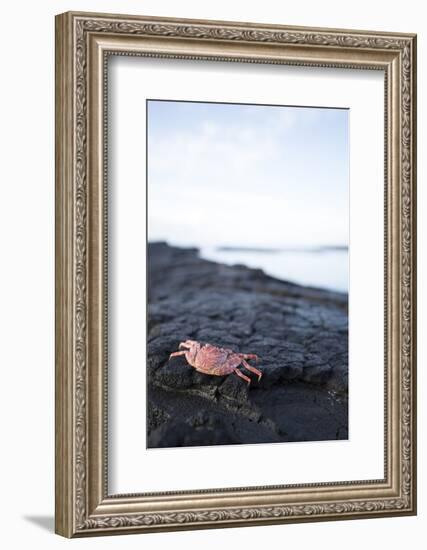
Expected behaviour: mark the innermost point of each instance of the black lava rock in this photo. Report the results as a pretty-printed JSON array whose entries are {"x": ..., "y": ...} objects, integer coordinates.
[{"x": 300, "y": 335}]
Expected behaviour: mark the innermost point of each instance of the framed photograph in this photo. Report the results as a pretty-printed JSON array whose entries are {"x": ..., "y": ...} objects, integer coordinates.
[{"x": 235, "y": 274}]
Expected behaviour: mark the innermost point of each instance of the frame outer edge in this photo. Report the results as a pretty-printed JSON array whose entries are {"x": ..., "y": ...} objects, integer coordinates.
[
  {"x": 414, "y": 271},
  {"x": 73, "y": 400},
  {"x": 232, "y": 23},
  {"x": 64, "y": 390}
]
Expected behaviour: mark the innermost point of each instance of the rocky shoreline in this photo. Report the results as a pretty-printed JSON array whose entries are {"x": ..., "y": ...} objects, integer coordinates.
[{"x": 300, "y": 335}]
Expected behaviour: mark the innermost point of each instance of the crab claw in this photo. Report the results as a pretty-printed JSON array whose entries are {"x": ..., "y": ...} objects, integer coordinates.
[{"x": 187, "y": 344}]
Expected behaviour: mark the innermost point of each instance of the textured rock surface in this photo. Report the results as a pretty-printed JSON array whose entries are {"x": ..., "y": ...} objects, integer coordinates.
[{"x": 300, "y": 335}]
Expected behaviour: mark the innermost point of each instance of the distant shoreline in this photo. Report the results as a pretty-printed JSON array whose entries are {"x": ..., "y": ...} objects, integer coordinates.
[
  {"x": 230, "y": 258},
  {"x": 266, "y": 250},
  {"x": 325, "y": 266}
]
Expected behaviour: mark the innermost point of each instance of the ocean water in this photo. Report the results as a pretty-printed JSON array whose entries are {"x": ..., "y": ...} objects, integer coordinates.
[{"x": 322, "y": 268}]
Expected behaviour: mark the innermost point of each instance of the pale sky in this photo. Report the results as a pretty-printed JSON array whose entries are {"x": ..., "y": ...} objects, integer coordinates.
[{"x": 248, "y": 175}]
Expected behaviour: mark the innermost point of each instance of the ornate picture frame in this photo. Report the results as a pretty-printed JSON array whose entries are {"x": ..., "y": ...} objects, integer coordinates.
[{"x": 84, "y": 506}]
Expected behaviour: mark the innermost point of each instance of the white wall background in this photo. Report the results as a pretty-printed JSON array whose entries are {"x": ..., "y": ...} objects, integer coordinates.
[{"x": 27, "y": 273}]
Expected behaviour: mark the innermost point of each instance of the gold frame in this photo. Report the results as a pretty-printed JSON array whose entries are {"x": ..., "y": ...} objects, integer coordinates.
[{"x": 83, "y": 42}]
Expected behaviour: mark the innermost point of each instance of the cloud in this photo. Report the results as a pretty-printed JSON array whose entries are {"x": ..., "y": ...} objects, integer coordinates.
[{"x": 254, "y": 176}]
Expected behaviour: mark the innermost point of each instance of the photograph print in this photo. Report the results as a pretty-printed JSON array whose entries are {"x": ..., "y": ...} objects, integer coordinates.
[{"x": 248, "y": 273}]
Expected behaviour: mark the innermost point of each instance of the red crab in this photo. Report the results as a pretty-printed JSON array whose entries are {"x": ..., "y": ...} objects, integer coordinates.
[{"x": 209, "y": 359}]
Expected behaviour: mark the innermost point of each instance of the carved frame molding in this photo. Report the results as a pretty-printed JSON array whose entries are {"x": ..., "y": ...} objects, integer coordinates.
[{"x": 83, "y": 42}]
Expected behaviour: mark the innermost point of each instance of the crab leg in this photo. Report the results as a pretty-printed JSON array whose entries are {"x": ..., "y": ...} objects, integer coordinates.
[
  {"x": 176, "y": 353},
  {"x": 183, "y": 345},
  {"x": 249, "y": 356},
  {"x": 252, "y": 369},
  {"x": 248, "y": 380}
]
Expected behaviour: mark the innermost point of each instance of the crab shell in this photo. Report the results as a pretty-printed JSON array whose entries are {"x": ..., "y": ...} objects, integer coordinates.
[{"x": 216, "y": 361}]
